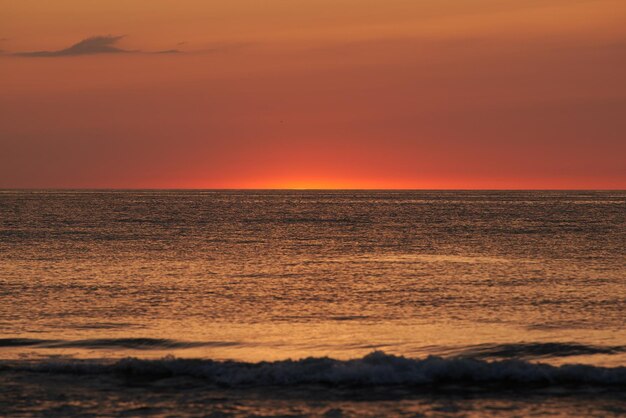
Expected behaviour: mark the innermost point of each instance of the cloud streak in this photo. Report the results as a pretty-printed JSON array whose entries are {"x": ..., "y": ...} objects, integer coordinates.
[{"x": 90, "y": 46}]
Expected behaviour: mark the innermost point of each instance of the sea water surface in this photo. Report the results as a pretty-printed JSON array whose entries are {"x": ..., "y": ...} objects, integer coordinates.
[{"x": 335, "y": 303}]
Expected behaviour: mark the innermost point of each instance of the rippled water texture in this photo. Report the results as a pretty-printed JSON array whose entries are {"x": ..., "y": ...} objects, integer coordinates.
[{"x": 250, "y": 276}]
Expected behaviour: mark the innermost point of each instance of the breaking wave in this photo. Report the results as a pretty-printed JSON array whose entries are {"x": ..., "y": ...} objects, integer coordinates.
[{"x": 375, "y": 369}]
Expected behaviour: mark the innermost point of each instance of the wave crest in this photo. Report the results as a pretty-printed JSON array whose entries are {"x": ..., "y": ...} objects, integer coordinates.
[
  {"x": 375, "y": 369},
  {"x": 113, "y": 343},
  {"x": 538, "y": 350}
]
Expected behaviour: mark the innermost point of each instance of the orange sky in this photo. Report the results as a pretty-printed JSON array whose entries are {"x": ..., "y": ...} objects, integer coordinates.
[{"x": 313, "y": 93}]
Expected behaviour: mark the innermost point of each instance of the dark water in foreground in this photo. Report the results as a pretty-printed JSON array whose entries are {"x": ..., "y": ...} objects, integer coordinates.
[{"x": 387, "y": 302}]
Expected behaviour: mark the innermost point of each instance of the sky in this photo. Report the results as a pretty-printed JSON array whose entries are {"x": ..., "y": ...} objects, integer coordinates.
[{"x": 402, "y": 94}]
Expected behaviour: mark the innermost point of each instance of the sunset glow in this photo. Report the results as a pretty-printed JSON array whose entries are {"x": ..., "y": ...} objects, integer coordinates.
[
  {"x": 312, "y": 208},
  {"x": 313, "y": 94}
]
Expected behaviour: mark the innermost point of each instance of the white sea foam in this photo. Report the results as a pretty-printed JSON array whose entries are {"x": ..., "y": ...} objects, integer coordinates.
[{"x": 375, "y": 369}]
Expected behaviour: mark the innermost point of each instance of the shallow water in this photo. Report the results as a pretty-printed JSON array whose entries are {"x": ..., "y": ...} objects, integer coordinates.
[{"x": 535, "y": 277}]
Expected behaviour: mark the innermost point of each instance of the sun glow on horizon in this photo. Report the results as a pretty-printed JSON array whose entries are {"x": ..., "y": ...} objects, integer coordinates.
[{"x": 461, "y": 94}]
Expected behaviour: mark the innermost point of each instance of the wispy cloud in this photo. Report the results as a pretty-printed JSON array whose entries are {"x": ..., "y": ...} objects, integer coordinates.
[
  {"x": 168, "y": 51},
  {"x": 89, "y": 46},
  {"x": 106, "y": 44}
]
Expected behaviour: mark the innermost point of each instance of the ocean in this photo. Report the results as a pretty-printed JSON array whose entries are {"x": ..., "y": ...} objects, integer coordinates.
[{"x": 312, "y": 303}]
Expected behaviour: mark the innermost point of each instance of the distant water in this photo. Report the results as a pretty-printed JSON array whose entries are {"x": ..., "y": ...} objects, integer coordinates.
[{"x": 460, "y": 303}]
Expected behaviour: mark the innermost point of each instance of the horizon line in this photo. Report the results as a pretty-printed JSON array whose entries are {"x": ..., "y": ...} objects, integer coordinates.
[{"x": 299, "y": 189}]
